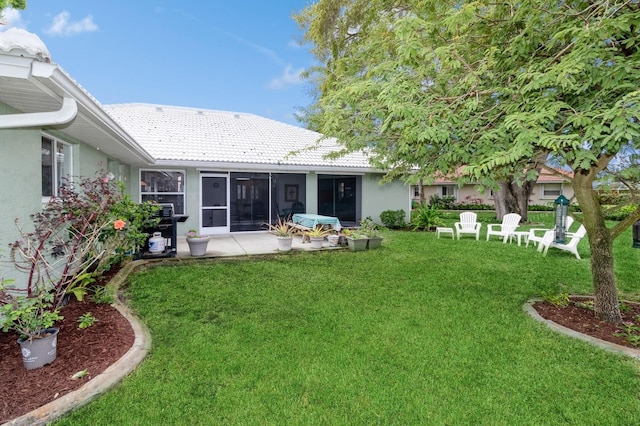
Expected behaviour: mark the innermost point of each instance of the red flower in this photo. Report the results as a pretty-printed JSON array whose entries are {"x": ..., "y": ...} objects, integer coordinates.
[{"x": 119, "y": 224}]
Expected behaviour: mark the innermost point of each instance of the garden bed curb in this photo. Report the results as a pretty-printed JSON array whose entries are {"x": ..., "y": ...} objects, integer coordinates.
[
  {"x": 104, "y": 381},
  {"x": 608, "y": 346}
]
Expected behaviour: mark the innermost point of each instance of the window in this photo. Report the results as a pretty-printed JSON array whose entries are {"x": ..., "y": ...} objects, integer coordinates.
[
  {"x": 164, "y": 187},
  {"x": 56, "y": 164},
  {"x": 448, "y": 191},
  {"x": 416, "y": 191},
  {"x": 551, "y": 190}
]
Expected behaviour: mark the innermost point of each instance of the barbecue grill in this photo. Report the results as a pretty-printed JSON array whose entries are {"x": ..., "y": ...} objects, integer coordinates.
[{"x": 168, "y": 229}]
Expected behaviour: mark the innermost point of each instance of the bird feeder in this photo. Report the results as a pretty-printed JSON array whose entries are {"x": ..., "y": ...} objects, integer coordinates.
[
  {"x": 636, "y": 234},
  {"x": 561, "y": 210}
]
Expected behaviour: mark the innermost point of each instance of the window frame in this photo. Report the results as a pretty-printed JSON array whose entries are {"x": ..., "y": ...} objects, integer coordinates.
[
  {"x": 154, "y": 195},
  {"x": 442, "y": 188},
  {"x": 556, "y": 192},
  {"x": 55, "y": 173}
]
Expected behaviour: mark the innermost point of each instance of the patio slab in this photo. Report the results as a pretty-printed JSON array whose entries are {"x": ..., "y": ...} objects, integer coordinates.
[{"x": 245, "y": 243}]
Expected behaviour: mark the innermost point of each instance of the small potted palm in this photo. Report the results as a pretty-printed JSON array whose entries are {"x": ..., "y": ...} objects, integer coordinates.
[
  {"x": 197, "y": 243},
  {"x": 32, "y": 319},
  {"x": 317, "y": 235},
  {"x": 283, "y": 232}
]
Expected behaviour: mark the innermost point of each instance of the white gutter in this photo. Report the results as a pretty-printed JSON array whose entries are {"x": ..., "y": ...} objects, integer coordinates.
[
  {"x": 65, "y": 114},
  {"x": 236, "y": 166}
]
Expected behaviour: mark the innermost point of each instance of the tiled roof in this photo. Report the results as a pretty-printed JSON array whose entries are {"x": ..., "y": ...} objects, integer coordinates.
[
  {"x": 200, "y": 136},
  {"x": 23, "y": 41}
]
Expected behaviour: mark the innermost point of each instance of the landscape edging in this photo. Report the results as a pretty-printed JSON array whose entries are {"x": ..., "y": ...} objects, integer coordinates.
[
  {"x": 608, "y": 346},
  {"x": 104, "y": 381}
]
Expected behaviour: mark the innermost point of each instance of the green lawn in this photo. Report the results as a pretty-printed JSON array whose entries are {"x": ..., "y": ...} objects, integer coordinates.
[{"x": 421, "y": 331}]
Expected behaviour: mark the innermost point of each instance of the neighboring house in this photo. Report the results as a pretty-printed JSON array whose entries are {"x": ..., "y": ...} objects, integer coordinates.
[
  {"x": 227, "y": 171},
  {"x": 548, "y": 187}
]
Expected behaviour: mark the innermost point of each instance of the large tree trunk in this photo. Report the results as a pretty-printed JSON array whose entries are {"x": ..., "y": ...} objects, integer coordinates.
[
  {"x": 501, "y": 200},
  {"x": 513, "y": 198},
  {"x": 606, "y": 305}
]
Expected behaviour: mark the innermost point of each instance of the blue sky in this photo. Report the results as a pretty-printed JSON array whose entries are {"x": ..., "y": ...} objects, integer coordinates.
[{"x": 239, "y": 56}]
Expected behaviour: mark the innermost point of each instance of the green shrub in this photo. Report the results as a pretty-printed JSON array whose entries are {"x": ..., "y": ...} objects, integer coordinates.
[
  {"x": 472, "y": 206},
  {"x": 541, "y": 207},
  {"x": 442, "y": 203},
  {"x": 393, "y": 218},
  {"x": 615, "y": 213},
  {"x": 612, "y": 198}
]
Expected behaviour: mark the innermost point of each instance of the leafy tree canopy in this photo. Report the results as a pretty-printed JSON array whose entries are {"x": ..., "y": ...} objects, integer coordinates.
[
  {"x": 16, "y": 4},
  {"x": 426, "y": 86},
  {"x": 436, "y": 84}
]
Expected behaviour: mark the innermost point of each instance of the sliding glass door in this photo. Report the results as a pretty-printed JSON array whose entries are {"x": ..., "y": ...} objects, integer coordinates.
[
  {"x": 249, "y": 201},
  {"x": 338, "y": 196}
]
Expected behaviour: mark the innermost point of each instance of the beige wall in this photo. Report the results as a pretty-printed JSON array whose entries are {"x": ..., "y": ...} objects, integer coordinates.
[{"x": 470, "y": 192}]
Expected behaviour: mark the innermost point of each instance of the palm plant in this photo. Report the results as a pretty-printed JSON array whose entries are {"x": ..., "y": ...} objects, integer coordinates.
[
  {"x": 281, "y": 228},
  {"x": 425, "y": 216}
]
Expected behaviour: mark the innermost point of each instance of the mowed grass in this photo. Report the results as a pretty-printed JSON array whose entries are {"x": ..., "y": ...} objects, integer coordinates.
[{"x": 421, "y": 331}]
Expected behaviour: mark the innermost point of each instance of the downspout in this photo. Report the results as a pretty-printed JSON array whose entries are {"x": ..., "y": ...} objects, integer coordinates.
[{"x": 65, "y": 114}]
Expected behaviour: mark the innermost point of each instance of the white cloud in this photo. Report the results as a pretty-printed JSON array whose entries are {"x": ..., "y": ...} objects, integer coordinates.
[
  {"x": 61, "y": 25},
  {"x": 289, "y": 77},
  {"x": 11, "y": 17},
  {"x": 293, "y": 44}
]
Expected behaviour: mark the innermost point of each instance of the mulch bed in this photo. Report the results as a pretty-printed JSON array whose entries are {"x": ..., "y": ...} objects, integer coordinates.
[
  {"x": 584, "y": 321},
  {"x": 94, "y": 349}
]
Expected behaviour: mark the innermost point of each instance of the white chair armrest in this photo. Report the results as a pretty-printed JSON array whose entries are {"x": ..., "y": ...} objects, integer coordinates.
[{"x": 533, "y": 232}]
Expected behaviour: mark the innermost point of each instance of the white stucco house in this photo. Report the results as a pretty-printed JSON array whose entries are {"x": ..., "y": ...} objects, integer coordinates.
[{"x": 226, "y": 171}]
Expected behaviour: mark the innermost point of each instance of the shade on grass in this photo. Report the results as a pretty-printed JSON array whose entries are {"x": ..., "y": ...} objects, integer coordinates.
[{"x": 420, "y": 331}]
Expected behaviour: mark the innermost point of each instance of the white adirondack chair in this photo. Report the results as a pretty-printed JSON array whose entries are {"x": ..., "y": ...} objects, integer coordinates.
[
  {"x": 572, "y": 246},
  {"x": 468, "y": 225},
  {"x": 506, "y": 229},
  {"x": 537, "y": 234}
]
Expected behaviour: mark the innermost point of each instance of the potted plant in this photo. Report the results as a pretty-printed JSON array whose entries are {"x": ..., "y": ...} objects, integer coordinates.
[
  {"x": 342, "y": 236},
  {"x": 316, "y": 236},
  {"x": 357, "y": 242},
  {"x": 197, "y": 243},
  {"x": 33, "y": 319},
  {"x": 369, "y": 229},
  {"x": 284, "y": 232}
]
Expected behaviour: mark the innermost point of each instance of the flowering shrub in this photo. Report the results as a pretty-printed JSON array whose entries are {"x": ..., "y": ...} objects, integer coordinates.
[
  {"x": 87, "y": 228},
  {"x": 127, "y": 235}
]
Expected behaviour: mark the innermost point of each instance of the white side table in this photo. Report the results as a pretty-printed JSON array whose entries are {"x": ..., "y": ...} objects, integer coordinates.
[
  {"x": 440, "y": 230},
  {"x": 520, "y": 235}
]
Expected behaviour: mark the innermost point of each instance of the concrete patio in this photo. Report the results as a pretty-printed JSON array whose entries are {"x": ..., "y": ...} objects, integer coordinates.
[{"x": 249, "y": 243}]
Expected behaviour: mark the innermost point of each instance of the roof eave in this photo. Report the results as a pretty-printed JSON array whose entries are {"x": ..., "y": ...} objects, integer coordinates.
[
  {"x": 228, "y": 166},
  {"x": 54, "y": 78}
]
